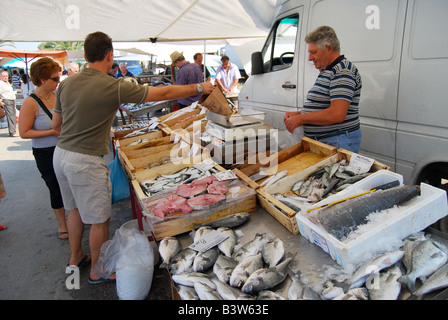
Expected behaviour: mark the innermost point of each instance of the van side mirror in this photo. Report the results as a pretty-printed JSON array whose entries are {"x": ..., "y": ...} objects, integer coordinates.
[{"x": 257, "y": 63}]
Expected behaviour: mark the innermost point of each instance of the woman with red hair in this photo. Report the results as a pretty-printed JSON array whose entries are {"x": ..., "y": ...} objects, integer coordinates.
[{"x": 35, "y": 124}]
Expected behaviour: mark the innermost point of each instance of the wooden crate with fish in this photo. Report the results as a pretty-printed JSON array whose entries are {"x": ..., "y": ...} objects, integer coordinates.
[
  {"x": 314, "y": 182},
  {"x": 176, "y": 197}
]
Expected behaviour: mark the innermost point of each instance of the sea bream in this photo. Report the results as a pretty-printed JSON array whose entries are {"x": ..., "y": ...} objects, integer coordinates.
[
  {"x": 229, "y": 221},
  {"x": 250, "y": 248},
  {"x": 223, "y": 268},
  {"x": 244, "y": 269},
  {"x": 387, "y": 286},
  {"x": 229, "y": 244},
  {"x": 168, "y": 248},
  {"x": 273, "y": 251},
  {"x": 204, "y": 260},
  {"x": 436, "y": 281},
  {"x": 342, "y": 218},
  {"x": 182, "y": 261}
]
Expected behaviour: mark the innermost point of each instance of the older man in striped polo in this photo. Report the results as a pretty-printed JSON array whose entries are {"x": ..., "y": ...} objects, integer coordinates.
[{"x": 330, "y": 112}]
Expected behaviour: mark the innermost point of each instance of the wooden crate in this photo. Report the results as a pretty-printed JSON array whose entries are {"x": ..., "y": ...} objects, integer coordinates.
[
  {"x": 285, "y": 215},
  {"x": 181, "y": 223}
]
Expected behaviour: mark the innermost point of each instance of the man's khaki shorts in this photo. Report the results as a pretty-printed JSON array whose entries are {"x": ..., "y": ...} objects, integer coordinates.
[{"x": 85, "y": 184}]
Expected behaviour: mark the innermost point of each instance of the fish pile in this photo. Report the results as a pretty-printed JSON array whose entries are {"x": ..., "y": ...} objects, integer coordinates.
[
  {"x": 385, "y": 276},
  {"x": 169, "y": 182},
  {"x": 135, "y": 125},
  {"x": 148, "y": 129},
  {"x": 328, "y": 180},
  {"x": 139, "y": 141}
]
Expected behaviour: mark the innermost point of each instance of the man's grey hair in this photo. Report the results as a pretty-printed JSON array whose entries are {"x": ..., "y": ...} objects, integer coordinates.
[{"x": 323, "y": 37}]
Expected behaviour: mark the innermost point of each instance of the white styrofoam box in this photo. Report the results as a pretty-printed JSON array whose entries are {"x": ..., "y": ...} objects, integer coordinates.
[{"x": 415, "y": 216}]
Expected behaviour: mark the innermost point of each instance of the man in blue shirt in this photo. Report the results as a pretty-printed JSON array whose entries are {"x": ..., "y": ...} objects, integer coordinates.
[
  {"x": 189, "y": 73},
  {"x": 123, "y": 71}
]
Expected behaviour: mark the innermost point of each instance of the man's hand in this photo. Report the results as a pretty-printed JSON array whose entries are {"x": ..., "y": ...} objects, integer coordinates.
[{"x": 293, "y": 122}]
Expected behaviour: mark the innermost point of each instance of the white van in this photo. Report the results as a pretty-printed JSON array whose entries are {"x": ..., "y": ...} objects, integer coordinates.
[{"x": 401, "y": 50}]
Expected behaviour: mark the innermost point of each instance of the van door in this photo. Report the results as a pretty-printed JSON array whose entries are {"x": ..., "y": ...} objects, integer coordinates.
[{"x": 275, "y": 91}]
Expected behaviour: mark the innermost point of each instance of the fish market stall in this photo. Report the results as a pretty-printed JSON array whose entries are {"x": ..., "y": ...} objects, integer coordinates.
[{"x": 134, "y": 110}]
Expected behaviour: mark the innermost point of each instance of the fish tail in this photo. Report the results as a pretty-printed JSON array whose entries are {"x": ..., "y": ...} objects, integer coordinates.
[{"x": 409, "y": 281}]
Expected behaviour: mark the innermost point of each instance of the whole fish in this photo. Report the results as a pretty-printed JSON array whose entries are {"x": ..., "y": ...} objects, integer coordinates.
[
  {"x": 436, "y": 281},
  {"x": 342, "y": 218},
  {"x": 372, "y": 267},
  {"x": 187, "y": 293},
  {"x": 354, "y": 294},
  {"x": 310, "y": 294},
  {"x": 266, "y": 278},
  {"x": 182, "y": 261},
  {"x": 206, "y": 292},
  {"x": 229, "y": 244},
  {"x": 190, "y": 278},
  {"x": 295, "y": 291},
  {"x": 277, "y": 177},
  {"x": 223, "y": 268},
  {"x": 296, "y": 186},
  {"x": 330, "y": 290},
  {"x": 201, "y": 232},
  {"x": 168, "y": 248},
  {"x": 252, "y": 247},
  {"x": 204, "y": 260},
  {"x": 228, "y": 292},
  {"x": 244, "y": 269},
  {"x": 388, "y": 287},
  {"x": 427, "y": 257},
  {"x": 273, "y": 251},
  {"x": 269, "y": 295},
  {"x": 229, "y": 221},
  {"x": 408, "y": 247}
]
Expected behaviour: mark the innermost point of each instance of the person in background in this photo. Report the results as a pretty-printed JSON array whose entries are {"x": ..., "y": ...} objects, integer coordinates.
[
  {"x": 330, "y": 112},
  {"x": 27, "y": 86},
  {"x": 123, "y": 71},
  {"x": 72, "y": 68},
  {"x": 78, "y": 160},
  {"x": 113, "y": 71},
  {"x": 2, "y": 195},
  {"x": 36, "y": 124},
  {"x": 227, "y": 75},
  {"x": 189, "y": 73},
  {"x": 198, "y": 59},
  {"x": 15, "y": 79},
  {"x": 8, "y": 102}
]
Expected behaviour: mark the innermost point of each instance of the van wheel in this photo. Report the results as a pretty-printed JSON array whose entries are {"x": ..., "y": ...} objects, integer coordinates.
[{"x": 436, "y": 175}]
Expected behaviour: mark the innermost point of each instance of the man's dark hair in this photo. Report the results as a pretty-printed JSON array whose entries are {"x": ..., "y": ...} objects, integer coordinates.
[
  {"x": 96, "y": 46},
  {"x": 225, "y": 58}
]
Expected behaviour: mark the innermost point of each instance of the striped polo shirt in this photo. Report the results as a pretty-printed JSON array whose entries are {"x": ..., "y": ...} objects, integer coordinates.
[{"x": 340, "y": 80}]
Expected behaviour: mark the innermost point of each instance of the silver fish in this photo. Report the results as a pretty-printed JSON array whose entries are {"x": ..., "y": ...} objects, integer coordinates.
[
  {"x": 187, "y": 293},
  {"x": 374, "y": 266},
  {"x": 388, "y": 287},
  {"x": 228, "y": 292},
  {"x": 277, "y": 177},
  {"x": 296, "y": 186},
  {"x": 330, "y": 290},
  {"x": 332, "y": 169},
  {"x": 201, "y": 232},
  {"x": 354, "y": 294},
  {"x": 229, "y": 221},
  {"x": 204, "y": 260},
  {"x": 206, "y": 292},
  {"x": 295, "y": 291},
  {"x": 266, "y": 278},
  {"x": 168, "y": 248},
  {"x": 269, "y": 295},
  {"x": 182, "y": 261},
  {"x": 273, "y": 251},
  {"x": 427, "y": 257},
  {"x": 409, "y": 246},
  {"x": 436, "y": 281},
  {"x": 342, "y": 218},
  {"x": 252, "y": 247},
  {"x": 229, "y": 244},
  {"x": 190, "y": 278},
  {"x": 310, "y": 294},
  {"x": 244, "y": 269},
  {"x": 223, "y": 268}
]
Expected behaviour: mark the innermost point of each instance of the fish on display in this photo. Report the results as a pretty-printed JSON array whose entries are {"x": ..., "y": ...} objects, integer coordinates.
[
  {"x": 374, "y": 266},
  {"x": 229, "y": 244},
  {"x": 427, "y": 257},
  {"x": 206, "y": 292},
  {"x": 244, "y": 269},
  {"x": 190, "y": 278},
  {"x": 273, "y": 251},
  {"x": 229, "y": 221},
  {"x": 409, "y": 246},
  {"x": 266, "y": 278},
  {"x": 168, "y": 248},
  {"x": 187, "y": 293},
  {"x": 342, "y": 218},
  {"x": 310, "y": 294},
  {"x": 201, "y": 232},
  {"x": 295, "y": 291},
  {"x": 205, "y": 260},
  {"x": 354, "y": 294},
  {"x": 330, "y": 290},
  {"x": 182, "y": 261},
  {"x": 223, "y": 268},
  {"x": 388, "y": 287},
  {"x": 252, "y": 247},
  {"x": 228, "y": 292},
  {"x": 295, "y": 203},
  {"x": 269, "y": 295},
  {"x": 436, "y": 281},
  {"x": 274, "y": 178}
]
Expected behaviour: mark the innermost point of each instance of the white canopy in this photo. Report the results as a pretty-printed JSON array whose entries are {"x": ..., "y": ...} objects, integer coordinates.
[{"x": 132, "y": 20}]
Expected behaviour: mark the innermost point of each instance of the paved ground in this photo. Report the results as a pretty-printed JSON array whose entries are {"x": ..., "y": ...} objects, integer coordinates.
[{"x": 32, "y": 258}]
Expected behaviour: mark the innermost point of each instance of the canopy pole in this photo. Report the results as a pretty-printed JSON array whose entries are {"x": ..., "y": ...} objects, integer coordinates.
[{"x": 205, "y": 60}]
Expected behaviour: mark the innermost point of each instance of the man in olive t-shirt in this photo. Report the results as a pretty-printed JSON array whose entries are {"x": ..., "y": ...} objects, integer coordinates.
[{"x": 86, "y": 104}]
